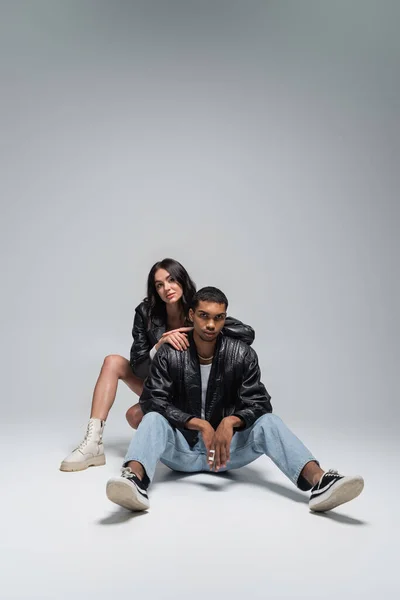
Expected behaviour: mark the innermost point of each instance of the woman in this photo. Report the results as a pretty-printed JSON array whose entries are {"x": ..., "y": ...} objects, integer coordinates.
[{"x": 161, "y": 318}]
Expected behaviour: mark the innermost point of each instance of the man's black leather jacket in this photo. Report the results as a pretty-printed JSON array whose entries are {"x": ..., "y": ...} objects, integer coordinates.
[
  {"x": 173, "y": 387},
  {"x": 147, "y": 333}
]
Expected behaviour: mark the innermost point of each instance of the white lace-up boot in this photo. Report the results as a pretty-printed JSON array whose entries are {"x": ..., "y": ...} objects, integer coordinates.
[{"x": 90, "y": 452}]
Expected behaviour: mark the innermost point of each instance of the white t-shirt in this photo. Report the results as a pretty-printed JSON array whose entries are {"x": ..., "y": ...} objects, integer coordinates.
[{"x": 205, "y": 375}]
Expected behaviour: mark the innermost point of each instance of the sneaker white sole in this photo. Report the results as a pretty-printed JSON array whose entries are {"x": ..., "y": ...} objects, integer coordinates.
[
  {"x": 121, "y": 492},
  {"x": 94, "y": 461},
  {"x": 343, "y": 491}
]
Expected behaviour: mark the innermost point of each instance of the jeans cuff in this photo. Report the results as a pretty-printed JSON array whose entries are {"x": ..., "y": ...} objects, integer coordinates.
[{"x": 300, "y": 481}]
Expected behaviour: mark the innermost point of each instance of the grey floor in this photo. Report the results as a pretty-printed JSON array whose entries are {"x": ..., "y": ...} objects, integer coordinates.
[{"x": 244, "y": 534}]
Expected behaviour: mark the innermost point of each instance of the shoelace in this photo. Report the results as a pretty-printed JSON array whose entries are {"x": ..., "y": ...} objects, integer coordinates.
[
  {"x": 333, "y": 473},
  {"x": 330, "y": 473},
  {"x": 87, "y": 435},
  {"x": 126, "y": 472}
]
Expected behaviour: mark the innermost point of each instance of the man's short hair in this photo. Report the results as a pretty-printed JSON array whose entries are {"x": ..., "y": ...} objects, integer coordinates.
[{"x": 209, "y": 294}]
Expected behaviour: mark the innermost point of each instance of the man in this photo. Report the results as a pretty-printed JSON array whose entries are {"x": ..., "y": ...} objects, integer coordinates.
[{"x": 206, "y": 409}]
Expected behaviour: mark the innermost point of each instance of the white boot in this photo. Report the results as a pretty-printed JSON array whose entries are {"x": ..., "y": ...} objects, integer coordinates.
[{"x": 90, "y": 452}]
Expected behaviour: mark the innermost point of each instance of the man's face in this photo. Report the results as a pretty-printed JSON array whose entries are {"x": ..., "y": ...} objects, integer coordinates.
[{"x": 208, "y": 319}]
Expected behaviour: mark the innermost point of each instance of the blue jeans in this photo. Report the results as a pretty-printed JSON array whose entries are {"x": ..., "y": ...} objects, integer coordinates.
[{"x": 155, "y": 439}]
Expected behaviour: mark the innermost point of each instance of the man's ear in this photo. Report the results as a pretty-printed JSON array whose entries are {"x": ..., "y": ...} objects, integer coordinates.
[{"x": 191, "y": 314}]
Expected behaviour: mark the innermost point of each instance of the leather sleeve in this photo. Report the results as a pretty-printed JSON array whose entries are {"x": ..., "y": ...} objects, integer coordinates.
[
  {"x": 238, "y": 330},
  {"x": 140, "y": 350},
  {"x": 158, "y": 391},
  {"x": 254, "y": 400}
]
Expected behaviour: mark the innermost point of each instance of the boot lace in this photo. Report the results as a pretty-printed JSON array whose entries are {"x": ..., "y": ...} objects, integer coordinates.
[{"x": 88, "y": 434}]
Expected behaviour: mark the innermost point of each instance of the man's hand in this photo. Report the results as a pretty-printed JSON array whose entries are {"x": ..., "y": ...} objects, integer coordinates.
[
  {"x": 207, "y": 433},
  {"x": 177, "y": 338},
  {"x": 222, "y": 443},
  {"x": 217, "y": 442}
]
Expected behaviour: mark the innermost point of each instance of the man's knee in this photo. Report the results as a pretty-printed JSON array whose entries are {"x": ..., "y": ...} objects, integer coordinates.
[{"x": 269, "y": 421}]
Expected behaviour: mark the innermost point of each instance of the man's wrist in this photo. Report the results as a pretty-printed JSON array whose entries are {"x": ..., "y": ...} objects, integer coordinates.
[
  {"x": 196, "y": 424},
  {"x": 234, "y": 421}
]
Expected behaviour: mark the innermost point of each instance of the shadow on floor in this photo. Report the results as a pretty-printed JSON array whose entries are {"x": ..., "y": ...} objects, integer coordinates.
[
  {"x": 252, "y": 478},
  {"x": 120, "y": 516},
  {"x": 334, "y": 516},
  {"x": 243, "y": 475},
  {"x": 117, "y": 447}
]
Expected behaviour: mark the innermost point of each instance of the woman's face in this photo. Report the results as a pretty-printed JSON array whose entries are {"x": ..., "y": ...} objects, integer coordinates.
[{"x": 169, "y": 290}]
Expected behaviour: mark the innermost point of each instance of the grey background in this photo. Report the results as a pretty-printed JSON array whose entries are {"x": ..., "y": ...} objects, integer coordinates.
[{"x": 257, "y": 143}]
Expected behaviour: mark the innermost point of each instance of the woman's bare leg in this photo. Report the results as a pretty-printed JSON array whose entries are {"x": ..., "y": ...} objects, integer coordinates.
[
  {"x": 90, "y": 451},
  {"x": 114, "y": 368}
]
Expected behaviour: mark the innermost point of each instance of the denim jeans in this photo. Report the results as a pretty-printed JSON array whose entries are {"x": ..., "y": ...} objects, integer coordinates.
[{"x": 155, "y": 439}]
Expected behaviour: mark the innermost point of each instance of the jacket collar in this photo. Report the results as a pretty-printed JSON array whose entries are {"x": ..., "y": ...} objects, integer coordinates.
[{"x": 193, "y": 348}]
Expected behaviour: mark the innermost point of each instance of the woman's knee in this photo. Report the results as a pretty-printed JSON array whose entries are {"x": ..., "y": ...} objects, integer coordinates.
[
  {"x": 115, "y": 363},
  {"x": 134, "y": 416}
]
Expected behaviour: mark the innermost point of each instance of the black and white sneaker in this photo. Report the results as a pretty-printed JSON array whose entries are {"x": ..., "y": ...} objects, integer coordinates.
[
  {"x": 334, "y": 489},
  {"x": 128, "y": 491}
]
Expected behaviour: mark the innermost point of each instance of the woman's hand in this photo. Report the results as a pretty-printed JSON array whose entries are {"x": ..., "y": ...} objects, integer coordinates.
[{"x": 177, "y": 338}]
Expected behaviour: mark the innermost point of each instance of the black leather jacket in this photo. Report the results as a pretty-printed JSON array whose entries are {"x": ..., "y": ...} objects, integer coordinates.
[
  {"x": 145, "y": 337},
  {"x": 173, "y": 387}
]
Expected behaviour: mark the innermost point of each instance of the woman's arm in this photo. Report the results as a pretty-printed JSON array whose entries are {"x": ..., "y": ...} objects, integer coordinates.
[
  {"x": 238, "y": 330},
  {"x": 140, "y": 351}
]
